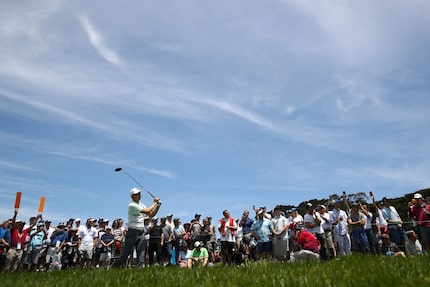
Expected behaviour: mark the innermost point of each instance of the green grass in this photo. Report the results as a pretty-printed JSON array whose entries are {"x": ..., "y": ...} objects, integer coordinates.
[{"x": 353, "y": 270}]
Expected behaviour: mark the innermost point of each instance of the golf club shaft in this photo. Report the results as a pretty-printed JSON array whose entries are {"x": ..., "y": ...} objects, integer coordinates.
[{"x": 137, "y": 182}]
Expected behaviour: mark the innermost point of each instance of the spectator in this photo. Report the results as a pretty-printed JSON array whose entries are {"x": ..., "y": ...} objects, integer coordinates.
[
  {"x": 390, "y": 248},
  {"x": 196, "y": 225},
  {"x": 340, "y": 227},
  {"x": 101, "y": 230},
  {"x": 168, "y": 240},
  {"x": 156, "y": 242},
  {"x": 107, "y": 240},
  {"x": 296, "y": 220},
  {"x": 265, "y": 214},
  {"x": 184, "y": 255},
  {"x": 18, "y": 235},
  {"x": 70, "y": 254},
  {"x": 279, "y": 229},
  {"x": 26, "y": 255},
  {"x": 356, "y": 220},
  {"x": 4, "y": 241},
  {"x": 328, "y": 235},
  {"x": 118, "y": 233},
  {"x": 394, "y": 221},
  {"x": 313, "y": 222},
  {"x": 205, "y": 237},
  {"x": 87, "y": 237},
  {"x": 261, "y": 231},
  {"x": 188, "y": 237},
  {"x": 199, "y": 255},
  {"x": 36, "y": 245},
  {"x": 77, "y": 223},
  {"x": 420, "y": 211},
  {"x": 213, "y": 241},
  {"x": 306, "y": 247},
  {"x": 178, "y": 233},
  {"x": 227, "y": 227},
  {"x": 169, "y": 220},
  {"x": 368, "y": 227},
  {"x": 246, "y": 224},
  {"x": 238, "y": 236},
  {"x": 142, "y": 246},
  {"x": 412, "y": 244}
]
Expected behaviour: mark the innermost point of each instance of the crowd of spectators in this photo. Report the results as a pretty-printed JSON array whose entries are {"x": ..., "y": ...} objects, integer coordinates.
[{"x": 322, "y": 233}]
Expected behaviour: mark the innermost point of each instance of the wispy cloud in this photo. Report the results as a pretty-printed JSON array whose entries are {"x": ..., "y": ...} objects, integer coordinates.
[
  {"x": 111, "y": 162},
  {"x": 98, "y": 41}
]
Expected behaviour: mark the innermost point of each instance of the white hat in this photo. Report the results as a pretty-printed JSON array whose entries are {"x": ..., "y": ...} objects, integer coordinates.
[
  {"x": 197, "y": 244},
  {"x": 418, "y": 196},
  {"x": 134, "y": 191}
]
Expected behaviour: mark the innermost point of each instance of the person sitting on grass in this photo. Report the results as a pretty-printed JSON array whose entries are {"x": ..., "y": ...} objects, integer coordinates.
[
  {"x": 390, "y": 248},
  {"x": 412, "y": 244},
  {"x": 199, "y": 255},
  {"x": 184, "y": 255}
]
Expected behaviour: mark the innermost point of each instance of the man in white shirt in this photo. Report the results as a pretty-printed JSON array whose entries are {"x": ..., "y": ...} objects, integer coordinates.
[
  {"x": 339, "y": 223},
  {"x": 87, "y": 237},
  {"x": 279, "y": 228},
  {"x": 313, "y": 222},
  {"x": 227, "y": 227}
]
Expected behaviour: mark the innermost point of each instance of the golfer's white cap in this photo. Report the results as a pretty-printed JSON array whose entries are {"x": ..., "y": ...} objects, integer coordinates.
[
  {"x": 134, "y": 191},
  {"x": 418, "y": 196}
]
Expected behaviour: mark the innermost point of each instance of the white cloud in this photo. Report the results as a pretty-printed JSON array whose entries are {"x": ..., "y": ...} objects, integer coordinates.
[{"x": 98, "y": 41}]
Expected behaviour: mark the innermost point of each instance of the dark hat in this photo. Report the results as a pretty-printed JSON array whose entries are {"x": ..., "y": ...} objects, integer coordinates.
[
  {"x": 197, "y": 215},
  {"x": 277, "y": 208},
  {"x": 384, "y": 199}
]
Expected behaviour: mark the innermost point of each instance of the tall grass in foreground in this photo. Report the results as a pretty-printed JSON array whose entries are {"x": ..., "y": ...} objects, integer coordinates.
[{"x": 353, "y": 270}]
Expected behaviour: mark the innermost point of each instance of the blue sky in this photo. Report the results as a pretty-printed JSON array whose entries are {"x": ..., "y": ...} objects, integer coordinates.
[{"x": 211, "y": 105}]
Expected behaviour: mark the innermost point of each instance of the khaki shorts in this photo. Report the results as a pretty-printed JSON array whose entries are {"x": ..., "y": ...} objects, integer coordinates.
[{"x": 86, "y": 252}]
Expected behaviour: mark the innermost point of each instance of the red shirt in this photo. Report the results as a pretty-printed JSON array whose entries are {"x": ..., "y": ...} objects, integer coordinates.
[
  {"x": 308, "y": 241},
  {"x": 417, "y": 212},
  {"x": 16, "y": 237}
]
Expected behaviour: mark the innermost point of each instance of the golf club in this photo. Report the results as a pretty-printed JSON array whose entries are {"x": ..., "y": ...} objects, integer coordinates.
[{"x": 118, "y": 169}]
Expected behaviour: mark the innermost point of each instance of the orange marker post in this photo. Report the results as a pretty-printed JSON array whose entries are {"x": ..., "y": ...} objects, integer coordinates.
[
  {"x": 18, "y": 199},
  {"x": 41, "y": 204}
]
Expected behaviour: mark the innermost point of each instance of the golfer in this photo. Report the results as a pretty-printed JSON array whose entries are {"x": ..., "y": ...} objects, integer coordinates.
[{"x": 137, "y": 212}]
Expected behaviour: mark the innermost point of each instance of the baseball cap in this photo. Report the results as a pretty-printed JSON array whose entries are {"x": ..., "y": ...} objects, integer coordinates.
[
  {"x": 134, "y": 191},
  {"x": 197, "y": 244},
  {"x": 418, "y": 196}
]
